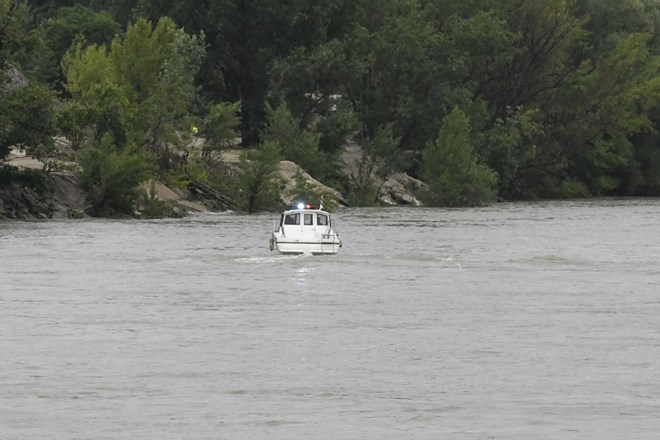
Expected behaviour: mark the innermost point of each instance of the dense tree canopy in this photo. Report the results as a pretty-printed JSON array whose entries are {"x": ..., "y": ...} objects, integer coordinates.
[{"x": 562, "y": 96}]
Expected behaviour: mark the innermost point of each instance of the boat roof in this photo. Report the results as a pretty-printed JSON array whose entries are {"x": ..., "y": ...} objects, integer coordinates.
[
  {"x": 306, "y": 208},
  {"x": 294, "y": 210}
]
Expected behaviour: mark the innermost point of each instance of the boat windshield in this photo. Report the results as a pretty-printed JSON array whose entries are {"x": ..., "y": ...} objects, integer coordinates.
[
  {"x": 321, "y": 220},
  {"x": 292, "y": 219}
]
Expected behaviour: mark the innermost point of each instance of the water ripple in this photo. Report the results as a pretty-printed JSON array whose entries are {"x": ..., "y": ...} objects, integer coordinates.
[{"x": 518, "y": 321}]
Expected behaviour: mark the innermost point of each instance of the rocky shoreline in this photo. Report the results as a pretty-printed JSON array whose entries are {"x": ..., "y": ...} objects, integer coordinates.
[{"x": 62, "y": 197}]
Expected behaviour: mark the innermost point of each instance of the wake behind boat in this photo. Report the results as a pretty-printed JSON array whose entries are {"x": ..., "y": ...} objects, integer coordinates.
[{"x": 305, "y": 229}]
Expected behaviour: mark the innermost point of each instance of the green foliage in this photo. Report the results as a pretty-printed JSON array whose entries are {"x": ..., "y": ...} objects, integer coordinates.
[
  {"x": 155, "y": 66},
  {"x": 34, "y": 179},
  {"x": 609, "y": 20},
  {"x": 337, "y": 127},
  {"x": 555, "y": 90},
  {"x": 20, "y": 44},
  {"x": 378, "y": 158},
  {"x": 246, "y": 38},
  {"x": 220, "y": 126},
  {"x": 308, "y": 78},
  {"x": 28, "y": 120},
  {"x": 8, "y": 174},
  {"x": 176, "y": 178},
  {"x": 587, "y": 129},
  {"x": 364, "y": 194},
  {"x": 570, "y": 189},
  {"x": 69, "y": 24},
  {"x": 304, "y": 191},
  {"x": 258, "y": 184},
  {"x": 509, "y": 148},
  {"x": 99, "y": 106},
  {"x": 599, "y": 165},
  {"x": 298, "y": 145},
  {"x": 151, "y": 207},
  {"x": 450, "y": 168},
  {"x": 100, "y": 114},
  {"x": 195, "y": 170},
  {"x": 140, "y": 91},
  {"x": 396, "y": 78},
  {"x": 87, "y": 67},
  {"x": 647, "y": 157},
  {"x": 198, "y": 171},
  {"x": 112, "y": 177},
  {"x": 27, "y": 109}
]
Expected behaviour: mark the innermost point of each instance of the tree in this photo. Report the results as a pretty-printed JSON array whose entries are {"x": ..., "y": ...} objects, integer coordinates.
[
  {"x": 614, "y": 101},
  {"x": 156, "y": 66},
  {"x": 450, "y": 168},
  {"x": 220, "y": 126},
  {"x": 378, "y": 158},
  {"x": 298, "y": 145},
  {"x": 141, "y": 90},
  {"x": 129, "y": 105},
  {"x": 121, "y": 10},
  {"x": 19, "y": 42},
  {"x": 546, "y": 38},
  {"x": 27, "y": 108},
  {"x": 510, "y": 149},
  {"x": 397, "y": 79},
  {"x": 111, "y": 177},
  {"x": 568, "y": 101},
  {"x": 61, "y": 31},
  {"x": 99, "y": 106},
  {"x": 647, "y": 155},
  {"x": 614, "y": 25},
  {"x": 28, "y": 120},
  {"x": 245, "y": 38},
  {"x": 258, "y": 182},
  {"x": 609, "y": 20}
]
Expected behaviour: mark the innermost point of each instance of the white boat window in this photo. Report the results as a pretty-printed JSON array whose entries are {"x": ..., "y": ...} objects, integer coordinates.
[
  {"x": 292, "y": 219},
  {"x": 308, "y": 219},
  {"x": 321, "y": 220}
]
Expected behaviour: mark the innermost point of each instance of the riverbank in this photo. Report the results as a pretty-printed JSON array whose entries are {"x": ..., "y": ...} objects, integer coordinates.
[
  {"x": 60, "y": 196},
  {"x": 32, "y": 195}
]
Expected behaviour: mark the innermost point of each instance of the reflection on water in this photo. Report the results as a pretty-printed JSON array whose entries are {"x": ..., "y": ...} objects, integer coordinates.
[
  {"x": 301, "y": 277},
  {"x": 518, "y": 321}
]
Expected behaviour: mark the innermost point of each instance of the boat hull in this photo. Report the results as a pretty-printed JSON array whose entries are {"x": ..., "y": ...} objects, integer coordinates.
[{"x": 301, "y": 247}]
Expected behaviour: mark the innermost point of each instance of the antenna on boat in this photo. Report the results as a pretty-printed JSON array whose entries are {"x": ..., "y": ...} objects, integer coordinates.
[{"x": 321, "y": 204}]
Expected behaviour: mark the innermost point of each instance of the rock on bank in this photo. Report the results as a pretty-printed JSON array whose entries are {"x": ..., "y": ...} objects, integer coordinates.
[{"x": 60, "y": 198}]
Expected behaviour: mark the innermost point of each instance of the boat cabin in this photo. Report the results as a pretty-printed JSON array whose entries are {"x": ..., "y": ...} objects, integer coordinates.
[{"x": 308, "y": 228}]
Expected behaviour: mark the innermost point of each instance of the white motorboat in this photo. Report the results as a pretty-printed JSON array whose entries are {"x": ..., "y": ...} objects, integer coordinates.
[{"x": 307, "y": 229}]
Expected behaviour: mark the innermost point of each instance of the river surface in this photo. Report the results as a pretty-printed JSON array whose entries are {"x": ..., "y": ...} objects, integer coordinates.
[{"x": 518, "y": 321}]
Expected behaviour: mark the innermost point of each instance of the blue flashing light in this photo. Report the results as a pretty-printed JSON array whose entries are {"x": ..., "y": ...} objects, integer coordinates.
[{"x": 301, "y": 205}]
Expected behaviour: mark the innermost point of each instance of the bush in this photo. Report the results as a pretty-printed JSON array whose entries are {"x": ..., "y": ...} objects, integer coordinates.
[
  {"x": 297, "y": 145},
  {"x": 152, "y": 207},
  {"x": 258, "y": 186},
  {"x": 33, "y": 179},
  {"x": 112, "y": 178},
  {"x": 380, "y": 157},
  {"x": 28, "y": 120},
  {"x": 451, "y": 169},
  {"x": 220, "y": 126},
  {"x": 303, "y": 191},
  {"x": 571, "y": 189}
]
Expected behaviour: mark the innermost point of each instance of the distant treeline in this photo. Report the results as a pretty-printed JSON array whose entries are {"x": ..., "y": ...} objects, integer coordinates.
[{"x": 479, "y": 99}]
